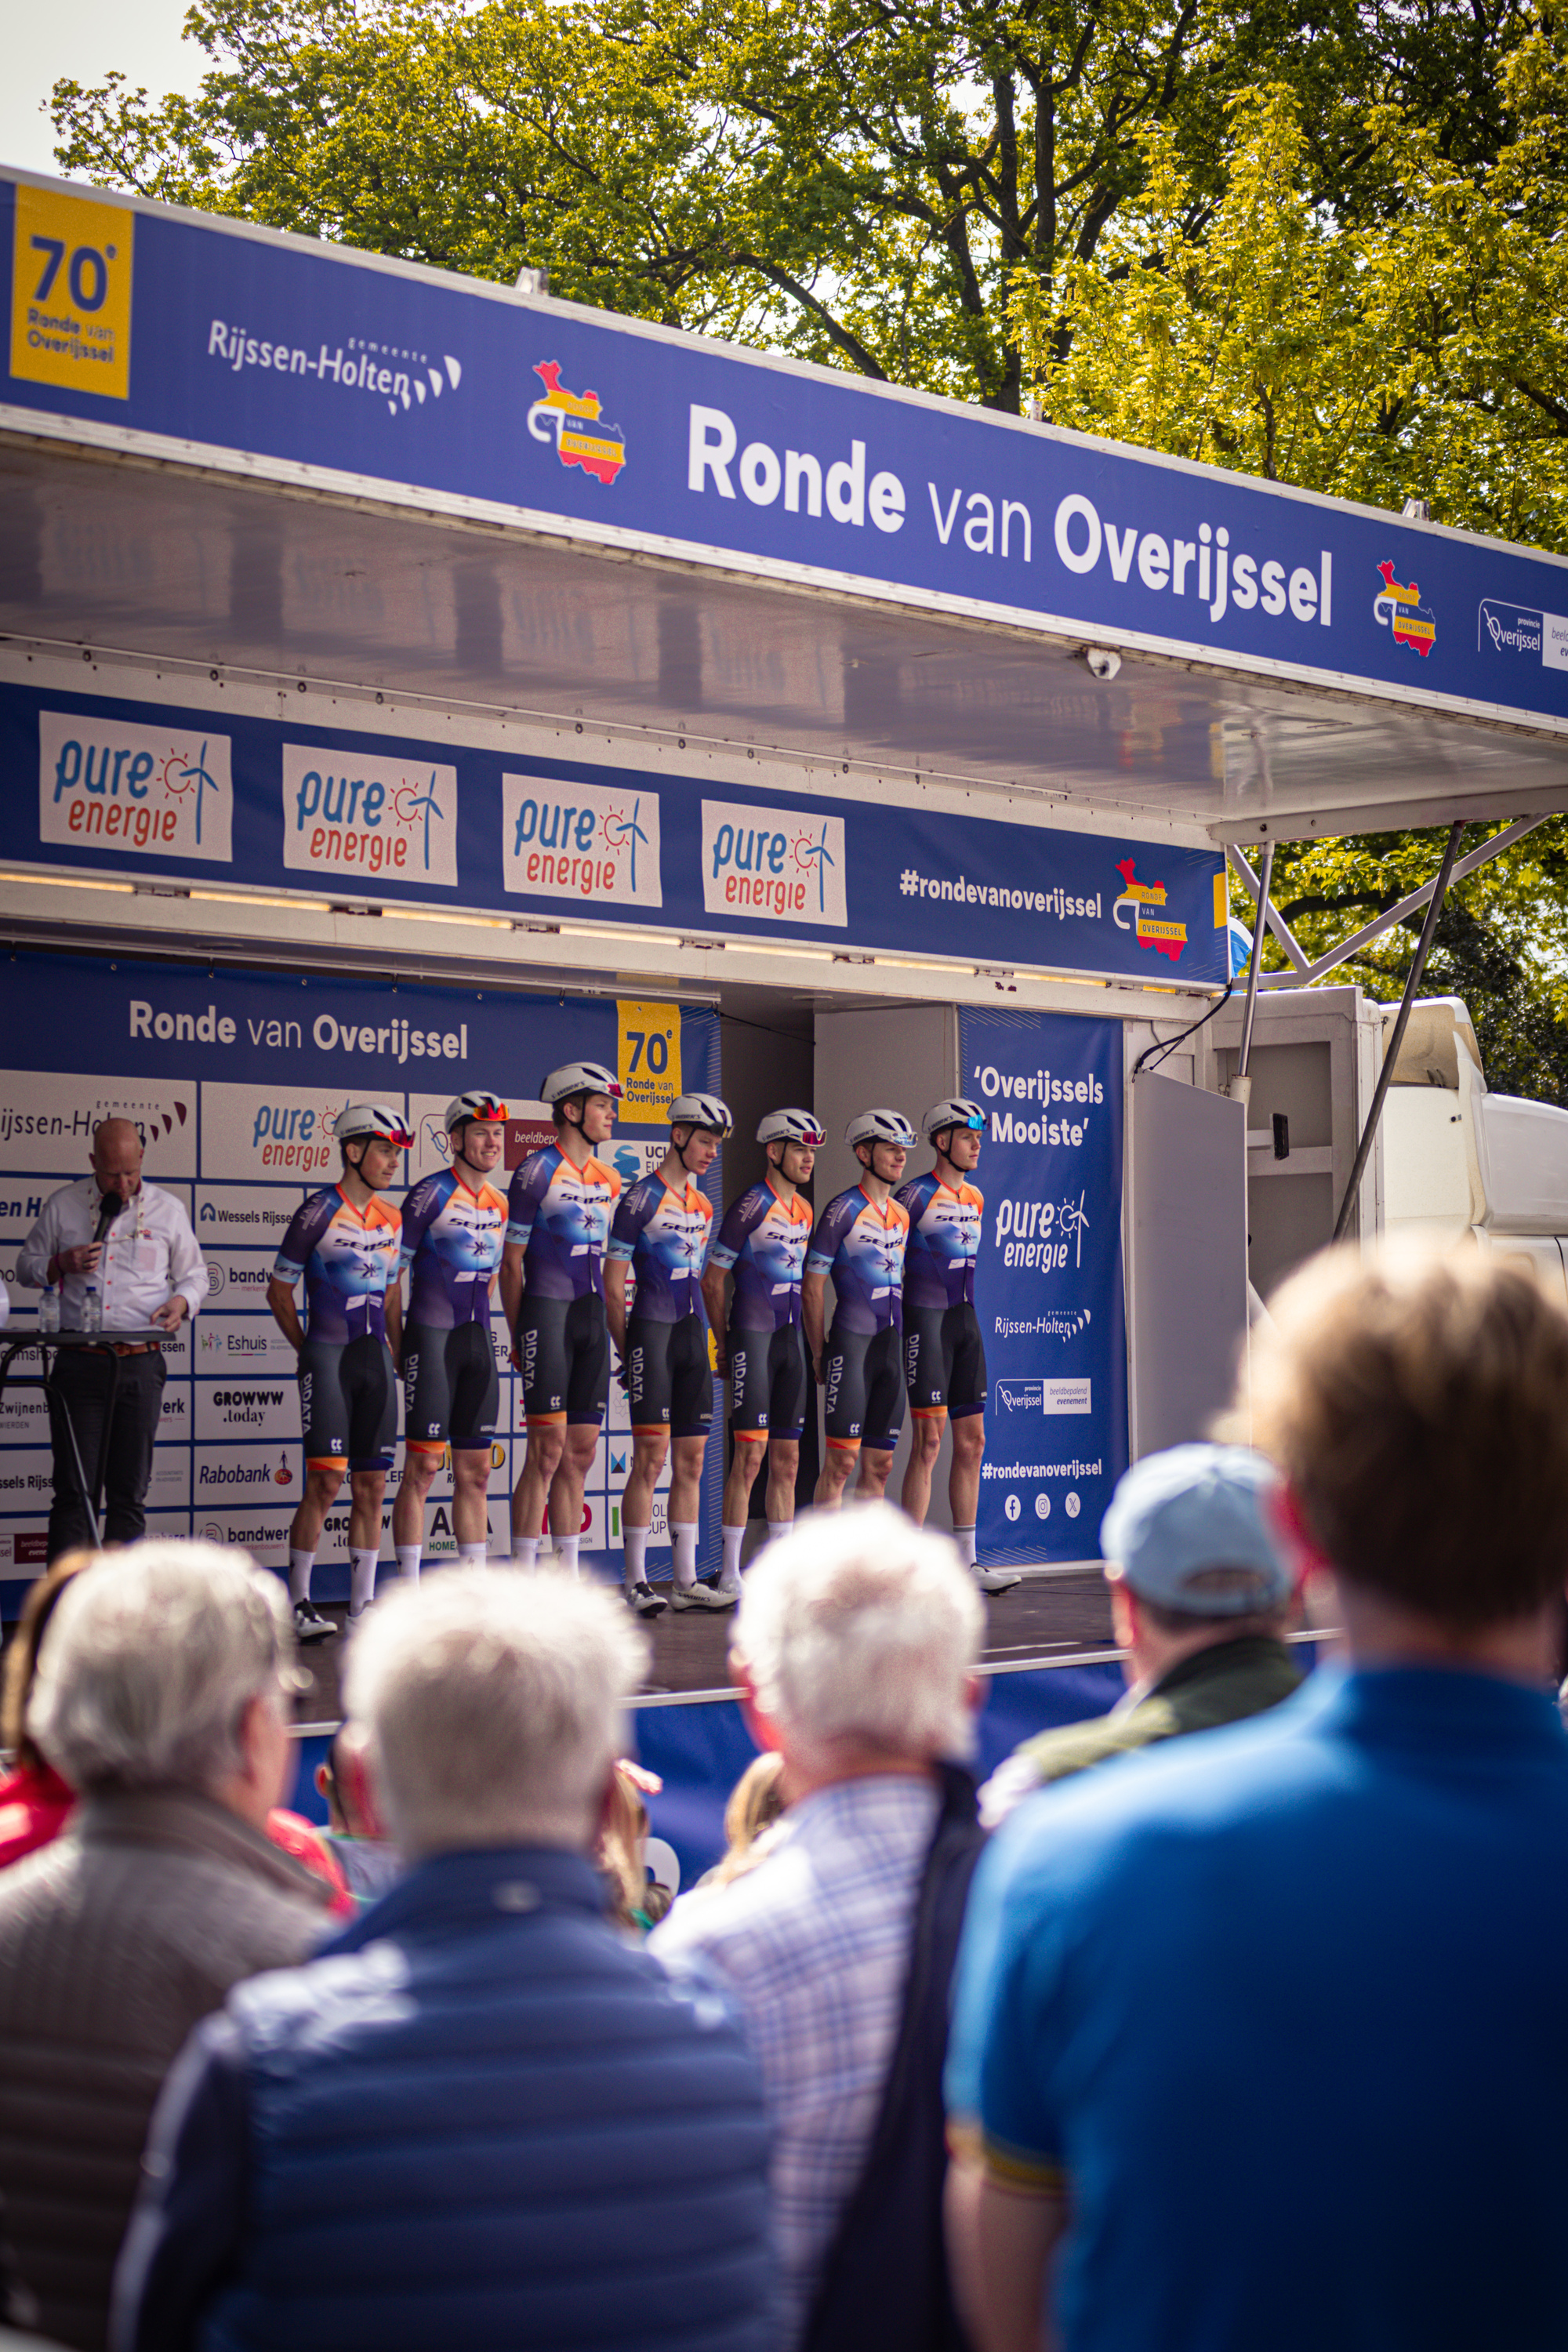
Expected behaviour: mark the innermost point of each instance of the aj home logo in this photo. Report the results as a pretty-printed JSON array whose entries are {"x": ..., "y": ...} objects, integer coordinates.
[
  {"x": 782, "y": 866},
  {"x": 392, "y": 820},
  {"x": 154, "y": 791}
]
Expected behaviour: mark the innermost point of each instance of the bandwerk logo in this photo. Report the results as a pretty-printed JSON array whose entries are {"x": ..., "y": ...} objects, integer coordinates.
[
  {"x": 1160, "y": 932},
  {"x": 571, "y": 420},
  {"x": 1400, "y": 608}
]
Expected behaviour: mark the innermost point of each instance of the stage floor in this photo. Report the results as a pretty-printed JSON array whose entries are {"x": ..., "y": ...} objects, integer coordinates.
[{"x": 1044, "y": 1621}]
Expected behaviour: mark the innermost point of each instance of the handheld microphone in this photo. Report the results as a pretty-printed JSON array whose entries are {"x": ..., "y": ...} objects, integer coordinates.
[{"x": 108, "y": 1208}]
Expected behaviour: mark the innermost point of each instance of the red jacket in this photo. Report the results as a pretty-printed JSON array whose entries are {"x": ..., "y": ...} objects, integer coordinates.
[{"x": 34, "y": 1805}]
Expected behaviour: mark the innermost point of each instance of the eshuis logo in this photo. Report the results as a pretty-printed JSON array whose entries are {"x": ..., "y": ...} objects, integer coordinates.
[
  {"x": 1400, "y": 608},
  {"x": 571, "y": 420},
  {"x": 786, "y": 866},
  {"x": 1149, "y": 926},
  {"x": 155, "y": 792}
]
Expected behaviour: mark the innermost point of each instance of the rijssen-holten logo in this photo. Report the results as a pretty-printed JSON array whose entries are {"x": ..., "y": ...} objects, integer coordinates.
[
  {"x": 571, "y": 421},
  {"x": 150, "y": 790},
  {"x": 1152, "y": 930},
  {"x": 1399, "y": 608}
]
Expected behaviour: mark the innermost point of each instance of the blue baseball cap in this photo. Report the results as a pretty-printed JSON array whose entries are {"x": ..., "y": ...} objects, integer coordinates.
[{"x": 1190, "y": 1530}]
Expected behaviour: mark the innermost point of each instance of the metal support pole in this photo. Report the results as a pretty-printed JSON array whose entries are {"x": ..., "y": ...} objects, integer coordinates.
[
  {"x": 1241, "y": 1085},
  {"x": 1391, "y": 1056}
]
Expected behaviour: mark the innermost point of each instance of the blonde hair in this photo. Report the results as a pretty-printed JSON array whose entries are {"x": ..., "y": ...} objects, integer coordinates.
[
  {"x": 756, "y": 1803},
  {"x": 1418, "y": 1404}
]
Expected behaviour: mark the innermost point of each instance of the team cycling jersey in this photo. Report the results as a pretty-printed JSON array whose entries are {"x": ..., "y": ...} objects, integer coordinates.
[
  {"x": 764, "y": 1239},
  {"x": 944, "y": 1241},
  {"x": 861, "y": 1246},
  {"x": 452, "y": 1239},
  {"x": 662, "y": 1235},
  {"x": 560, "y": 1215},
  {"x": 348, "y": 1257}
]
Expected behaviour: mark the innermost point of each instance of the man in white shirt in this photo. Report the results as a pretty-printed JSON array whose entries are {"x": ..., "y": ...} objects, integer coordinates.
[{"x": 149, "y": 1275}]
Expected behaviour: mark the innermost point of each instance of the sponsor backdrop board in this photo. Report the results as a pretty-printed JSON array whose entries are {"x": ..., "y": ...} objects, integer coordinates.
[
  {"x": 235, "y": 1080},
  {"x": 1048, "y": 1283},
  {"x": 391, "y": 819},
  {"x": 301, "y": 354}
]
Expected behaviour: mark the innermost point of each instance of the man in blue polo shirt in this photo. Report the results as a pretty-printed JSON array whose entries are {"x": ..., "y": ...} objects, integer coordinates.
[{"x": 1258, "y": 2039}]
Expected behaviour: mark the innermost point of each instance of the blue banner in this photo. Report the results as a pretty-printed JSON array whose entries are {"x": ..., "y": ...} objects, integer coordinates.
[
  {"x": 153, "y": 788},
  {"x": 234, "y": 1080},
  {"x": 1048, "y": 1284},
  {"x": 303, "y": 356}
]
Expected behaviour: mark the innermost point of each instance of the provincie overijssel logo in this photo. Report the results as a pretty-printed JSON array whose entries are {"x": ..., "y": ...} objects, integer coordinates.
[
  {"x": 571, "y": 421},
  {"x": 404, "y": 378}
]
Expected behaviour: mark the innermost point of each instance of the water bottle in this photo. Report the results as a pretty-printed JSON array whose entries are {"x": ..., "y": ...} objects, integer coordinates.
[
  {"x": 50, "y": 1310},
  {"x": 91, "y": 1308}
]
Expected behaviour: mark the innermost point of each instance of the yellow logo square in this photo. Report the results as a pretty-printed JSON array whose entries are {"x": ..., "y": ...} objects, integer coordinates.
[
  {"x": 70, "y": 293},
  {"x": 649, "y": 1061}
]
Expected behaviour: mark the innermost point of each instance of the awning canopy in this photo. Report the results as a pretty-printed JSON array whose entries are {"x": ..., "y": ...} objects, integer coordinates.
[{"x": 300, "y": 462}]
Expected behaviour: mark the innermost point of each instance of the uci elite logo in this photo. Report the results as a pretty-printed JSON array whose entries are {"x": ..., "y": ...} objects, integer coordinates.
[{"x": 571, "y": 419}]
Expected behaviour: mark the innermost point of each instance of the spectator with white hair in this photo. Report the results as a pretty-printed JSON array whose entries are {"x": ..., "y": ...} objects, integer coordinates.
[
  {"x": 854, "y": 1648},
  {"x": 162, "y": 1697},
  {"x": 482, "y": 2117}
]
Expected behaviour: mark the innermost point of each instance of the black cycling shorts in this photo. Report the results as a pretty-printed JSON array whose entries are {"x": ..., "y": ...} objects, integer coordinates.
[
  {"x": 564, "y": 1351},
  {"x": 863, "y": 1382},
  {"x": 769, "y": 1381},
  {"x": 451, "y": 1391},
  {"x": 944, "y": 1360},
  {"x": 670, "y": 1381},
  {"x": 348, "y": 1402}
]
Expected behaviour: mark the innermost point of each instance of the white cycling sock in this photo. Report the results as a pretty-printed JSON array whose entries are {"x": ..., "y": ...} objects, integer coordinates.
[
  {"x": 525, "y": 1551},
  {"x": 683, "y": 1538},
  {"x": 408, "y": 1558},
  {"x": 777, "y": 1527},
  {"x": 362, "y": 1582},
  {"x": 474, "y": 1554},
  {"x": 633, "y": 1543},
  {"x": 566, "y": 1553},
  {"x": 729, "y": 1575},
  {"x": 964, "y": 1539},
  {"x": 301, "y": 1563}
]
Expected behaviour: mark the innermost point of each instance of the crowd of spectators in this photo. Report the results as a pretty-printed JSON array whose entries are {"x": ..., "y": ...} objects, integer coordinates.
[{"x": 1230, "y": 2019}]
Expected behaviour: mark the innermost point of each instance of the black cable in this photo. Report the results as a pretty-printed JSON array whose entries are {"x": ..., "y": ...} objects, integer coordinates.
[{"x": 1171, "y": 1043}]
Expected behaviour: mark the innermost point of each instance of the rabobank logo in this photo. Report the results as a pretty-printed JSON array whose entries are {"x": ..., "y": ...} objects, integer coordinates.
[
  {"x": 571, "y": 421},
  {"x": 156, "y": 791},
  {"x": 782, "y": 866},
  {"x": 594, "y": 842}
]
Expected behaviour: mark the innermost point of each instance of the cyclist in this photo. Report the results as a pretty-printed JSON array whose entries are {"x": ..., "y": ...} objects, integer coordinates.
[
  {"x": 944, "y": 1356},
  {"x": 553, "y": 1288},
  {"x": 762, "y": 1241},
  {"x": 660, "y": 1237},
  {"x": 453, "y": 1227},
  {"x": 344, "y": 1242},
  {"x": 859, "y": 1239}
]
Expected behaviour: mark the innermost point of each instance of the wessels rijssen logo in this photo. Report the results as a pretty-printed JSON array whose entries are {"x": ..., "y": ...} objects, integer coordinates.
[
  {"x": 571, "y": 421},
  {"x": 155, "y": 792}
]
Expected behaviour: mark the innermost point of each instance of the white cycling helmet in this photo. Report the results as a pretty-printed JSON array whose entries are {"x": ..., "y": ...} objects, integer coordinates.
[
  {"x": 954, "y": 1112},
  {"x": 580, "y": 1079},
  {"x": 376, "y": 1123},
  {"x": 881, "y": 1126},
  {"x": 463, "y": 1108},
  {"x": 707, "y": 1111},
  {"x": 793, "y": 1126}
]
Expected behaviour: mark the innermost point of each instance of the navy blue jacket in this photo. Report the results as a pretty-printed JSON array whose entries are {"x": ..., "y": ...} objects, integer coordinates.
[{"x": 479, "y": 2119}]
